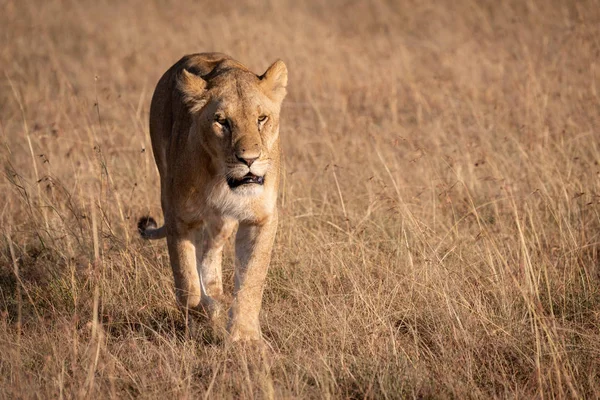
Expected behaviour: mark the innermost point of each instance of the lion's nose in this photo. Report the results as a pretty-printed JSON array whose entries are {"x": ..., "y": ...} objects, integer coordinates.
[{"x": 248, "y": 160}]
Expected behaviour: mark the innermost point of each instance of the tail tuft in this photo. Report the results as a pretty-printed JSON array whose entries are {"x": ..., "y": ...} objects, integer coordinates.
[{"x": 145, "y": 223}]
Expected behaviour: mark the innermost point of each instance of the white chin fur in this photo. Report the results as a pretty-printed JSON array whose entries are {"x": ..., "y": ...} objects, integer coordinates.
[
  {"x": 235, "y": 203},
  {"x": 250, "y": 190}
]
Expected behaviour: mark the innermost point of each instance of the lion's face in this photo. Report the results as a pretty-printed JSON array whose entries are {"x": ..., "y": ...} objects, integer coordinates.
[{"x": 236, "y": 119}]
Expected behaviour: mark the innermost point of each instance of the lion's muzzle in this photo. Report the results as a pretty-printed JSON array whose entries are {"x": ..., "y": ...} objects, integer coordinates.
[{"x": 248, "y": 179}]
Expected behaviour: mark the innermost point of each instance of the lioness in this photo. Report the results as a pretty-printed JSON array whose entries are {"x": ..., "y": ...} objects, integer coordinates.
[{"x": 214, "y": 127}]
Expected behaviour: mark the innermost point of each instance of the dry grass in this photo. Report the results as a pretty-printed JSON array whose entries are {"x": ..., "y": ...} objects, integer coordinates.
[{"x": 439, "y": 231}]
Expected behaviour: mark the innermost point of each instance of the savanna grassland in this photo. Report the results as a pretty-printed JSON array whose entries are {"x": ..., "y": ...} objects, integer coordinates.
[{"x": 439, "y": 227}]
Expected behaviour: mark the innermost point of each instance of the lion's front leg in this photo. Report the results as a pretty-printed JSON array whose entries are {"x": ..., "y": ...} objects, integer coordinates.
[
  {"x": 253, "y": 252},
  {"x": 209, "y": 255},
  {"x": 182, "y": 253}
]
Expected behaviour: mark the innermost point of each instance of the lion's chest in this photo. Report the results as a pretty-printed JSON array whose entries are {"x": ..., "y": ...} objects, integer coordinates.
[
  {"x": 254, "y": 204},
  {"x": 218, "y": 200}
]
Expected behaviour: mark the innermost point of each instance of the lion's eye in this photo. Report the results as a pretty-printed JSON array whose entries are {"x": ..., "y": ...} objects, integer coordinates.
[
  {"x": 262, "y": 119},
  {"x": 221, "y": 120}
]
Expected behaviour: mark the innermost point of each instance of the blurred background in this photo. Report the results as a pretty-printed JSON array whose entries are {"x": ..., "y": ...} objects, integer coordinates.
[{"x": 439, "y": 212}]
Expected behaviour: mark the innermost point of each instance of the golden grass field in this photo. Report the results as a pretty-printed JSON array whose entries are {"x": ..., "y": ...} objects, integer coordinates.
[{"x": 439, "y": 227}]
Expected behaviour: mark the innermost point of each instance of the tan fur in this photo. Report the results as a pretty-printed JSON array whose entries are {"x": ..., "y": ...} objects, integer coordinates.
[{"x": 195, "y": 154}]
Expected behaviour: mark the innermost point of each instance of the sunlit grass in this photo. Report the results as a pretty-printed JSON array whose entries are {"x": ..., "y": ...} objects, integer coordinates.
[{"x": 439, "y": 209}]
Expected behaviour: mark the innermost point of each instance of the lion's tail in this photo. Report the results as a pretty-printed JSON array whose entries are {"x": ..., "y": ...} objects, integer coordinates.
[{"x": 149, "y": 229}]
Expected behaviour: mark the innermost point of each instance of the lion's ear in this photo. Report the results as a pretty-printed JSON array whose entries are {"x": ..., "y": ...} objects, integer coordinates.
[
  {"x": 193, "y": 88},
  {"x": 274, "y": 80}
]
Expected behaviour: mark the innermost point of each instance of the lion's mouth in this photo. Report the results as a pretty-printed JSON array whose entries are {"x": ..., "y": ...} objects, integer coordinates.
[{"x": 247, "y": 179}]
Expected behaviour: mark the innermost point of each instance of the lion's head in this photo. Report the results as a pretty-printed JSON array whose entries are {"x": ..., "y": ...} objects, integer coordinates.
[{"x": 236, "y": 116}]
